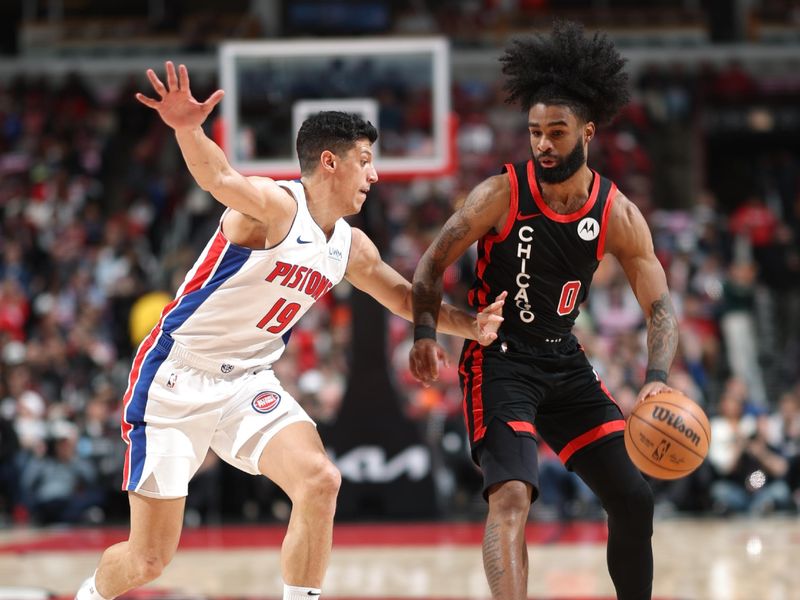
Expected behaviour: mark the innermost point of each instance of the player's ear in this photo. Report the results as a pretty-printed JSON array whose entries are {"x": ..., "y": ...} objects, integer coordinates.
[
  {"x": 328, "y": 160},
  {"x": 588, "y": 132}
]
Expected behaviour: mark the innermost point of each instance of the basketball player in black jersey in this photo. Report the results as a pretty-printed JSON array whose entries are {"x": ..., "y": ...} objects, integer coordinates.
[{"x": 542, "y": 227}]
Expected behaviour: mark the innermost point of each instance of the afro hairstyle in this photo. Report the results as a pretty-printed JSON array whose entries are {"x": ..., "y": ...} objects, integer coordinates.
[{"x": 569, "y": 68}]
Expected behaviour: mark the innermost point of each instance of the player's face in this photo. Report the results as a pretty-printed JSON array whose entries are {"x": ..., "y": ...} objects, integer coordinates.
[
  {"x": 358, "y": 172},
  {"x": 558, "y": 140}
]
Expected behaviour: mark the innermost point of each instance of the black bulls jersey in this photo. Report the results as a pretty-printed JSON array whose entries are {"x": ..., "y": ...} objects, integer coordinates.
[{"x": 544, "y": 260}]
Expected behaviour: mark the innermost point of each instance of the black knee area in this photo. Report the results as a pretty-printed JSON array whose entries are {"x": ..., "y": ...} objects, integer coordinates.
[
  {"x": 631, "y": 512},
  {"x": 624, "y": 493}
]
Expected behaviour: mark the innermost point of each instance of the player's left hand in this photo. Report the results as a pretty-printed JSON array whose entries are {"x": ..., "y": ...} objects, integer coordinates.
[
  {"x": 489, "y": 320},
  {"x": 651, "y": 389},
  {"x": 424, "y": 359}
]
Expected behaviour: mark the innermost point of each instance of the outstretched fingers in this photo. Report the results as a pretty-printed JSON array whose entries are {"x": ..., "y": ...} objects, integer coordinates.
[
  {"x": 496, "y": 307},
  {"x": 492, "y": 314},
  {"x": 183, "y": 78},
  {"x": 213, "y": 100},
  {"x": 172, "y": 76},
  {"x": 156, "y": 83},
  {"x": 147, "y": 101}
]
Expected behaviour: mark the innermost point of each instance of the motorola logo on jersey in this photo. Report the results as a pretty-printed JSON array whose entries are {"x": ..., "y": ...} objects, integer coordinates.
[
  {"x": 588, "y": 229},
  {"x": 265, "y": 402}
]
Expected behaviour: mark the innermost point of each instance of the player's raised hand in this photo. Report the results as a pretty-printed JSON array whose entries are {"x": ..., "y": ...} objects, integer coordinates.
[
  {"x": 177, "y": 107},
  {"x": 489, "y": 320}
]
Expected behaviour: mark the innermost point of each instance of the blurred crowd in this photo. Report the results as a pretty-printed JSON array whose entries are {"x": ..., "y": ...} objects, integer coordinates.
[
  {"x": 131, "y": 28},
  {"x": 100, "y": 221}
]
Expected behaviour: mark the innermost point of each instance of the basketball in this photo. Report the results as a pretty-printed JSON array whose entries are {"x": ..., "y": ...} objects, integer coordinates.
[{"x": 667, "y": 436}]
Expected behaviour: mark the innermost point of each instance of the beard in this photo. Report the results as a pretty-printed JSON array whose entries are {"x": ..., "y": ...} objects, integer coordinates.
[{"x": 565, "y": 168}]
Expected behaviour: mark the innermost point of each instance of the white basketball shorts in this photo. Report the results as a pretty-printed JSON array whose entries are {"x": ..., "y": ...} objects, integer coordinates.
[{"x": 179, "y": 404}]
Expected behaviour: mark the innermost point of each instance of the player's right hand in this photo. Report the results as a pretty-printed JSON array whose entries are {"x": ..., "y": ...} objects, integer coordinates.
[
  {"x": 424, "y": 359},
  {"x": 177, "y": 107}
]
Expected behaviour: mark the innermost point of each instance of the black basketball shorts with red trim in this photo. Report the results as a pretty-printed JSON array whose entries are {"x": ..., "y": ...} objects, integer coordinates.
[{"x": 514, "y": 392}]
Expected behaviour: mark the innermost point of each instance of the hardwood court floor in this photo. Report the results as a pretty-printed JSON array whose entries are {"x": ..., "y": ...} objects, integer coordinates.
[{"x": 694, "y": 560}]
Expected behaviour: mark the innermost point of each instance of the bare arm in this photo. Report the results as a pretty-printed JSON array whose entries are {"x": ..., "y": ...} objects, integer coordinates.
[
  {"x": 485, "y": 208},
  {"x": 367, "y": 271},
  {"x": 260, "y": 198},
  {"x": 630, "y": 241}
]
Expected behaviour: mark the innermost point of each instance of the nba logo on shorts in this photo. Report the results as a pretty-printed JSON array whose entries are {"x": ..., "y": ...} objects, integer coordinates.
[{"x": 265, "y": 402}]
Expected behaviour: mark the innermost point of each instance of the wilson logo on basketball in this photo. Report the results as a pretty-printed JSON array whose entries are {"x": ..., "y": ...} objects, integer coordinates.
[
  {"x": 266, "y": 402},
  {"x": 676, "y": 422}
]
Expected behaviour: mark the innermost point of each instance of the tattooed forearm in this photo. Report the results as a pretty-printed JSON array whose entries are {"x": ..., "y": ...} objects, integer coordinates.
[
  {"x": 662, "y": 334},
  {"x": 493, "y": 559},
  {"x": 480, "y": 210},
  {"x": 454, "y": 230},
  {"x": 426, "y": 288}
]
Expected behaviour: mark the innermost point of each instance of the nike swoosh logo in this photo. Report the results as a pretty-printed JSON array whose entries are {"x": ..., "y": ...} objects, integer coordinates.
[
  {"x": 521, "y": 217},
  {"x": 299, "y": 241},
  {"x": 314, "y": 593}
]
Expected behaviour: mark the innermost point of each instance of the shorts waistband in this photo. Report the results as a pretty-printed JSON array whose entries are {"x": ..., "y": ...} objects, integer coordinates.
[
  {"x": 538, "y": 342},
  {"x": 197, "y": 361}
]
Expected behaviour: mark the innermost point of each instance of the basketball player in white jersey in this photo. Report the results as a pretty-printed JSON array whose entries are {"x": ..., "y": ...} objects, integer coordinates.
[{"x": 203, "y": 379}]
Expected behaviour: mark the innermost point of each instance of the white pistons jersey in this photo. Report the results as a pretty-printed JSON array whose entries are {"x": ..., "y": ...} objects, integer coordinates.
[
  {"x": 237, "y": 305},
  {"x": 201, "y": 379}
]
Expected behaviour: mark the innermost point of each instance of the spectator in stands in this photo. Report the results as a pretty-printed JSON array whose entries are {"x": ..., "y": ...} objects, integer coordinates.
[
  {"x": 779, "y": 274},
  {"x": 98, "y": 444},
  {"x": 754, "y": 221},
  {"x": 758, "y": 483},
  {"x": 784, "y": 434},
  {"x": 739, "y": 327},
  {"x": 60, "y": 486},
  {"x": 751, "y": 473}
]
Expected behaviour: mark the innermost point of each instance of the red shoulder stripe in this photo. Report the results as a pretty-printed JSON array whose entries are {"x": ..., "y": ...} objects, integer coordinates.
[
  {"x": 601, "y": 242},
  {"x": 513, "y": 206}
]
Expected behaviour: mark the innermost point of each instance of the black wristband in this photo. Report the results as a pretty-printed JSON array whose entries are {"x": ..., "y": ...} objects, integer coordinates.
[
  {"x": 424, "y": 332},
  {"x": 655, "y": 375}
]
